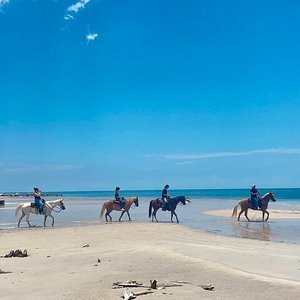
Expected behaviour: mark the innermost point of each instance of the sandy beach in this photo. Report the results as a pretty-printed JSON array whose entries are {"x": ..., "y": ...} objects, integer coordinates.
[{"x": 59, "y": 267}]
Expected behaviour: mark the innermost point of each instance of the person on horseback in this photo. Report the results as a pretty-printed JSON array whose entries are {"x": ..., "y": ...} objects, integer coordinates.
[
  {"x": 165, "y": 197},
  {"x": 254, "y": 197},
  {"x": 120, "y": 200},
  {"x": 38, "y": 200}
]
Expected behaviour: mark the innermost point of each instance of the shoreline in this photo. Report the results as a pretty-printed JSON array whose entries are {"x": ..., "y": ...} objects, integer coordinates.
[
  {"x": 142, "y": 252},
  {"x": 274, "y": 213}
]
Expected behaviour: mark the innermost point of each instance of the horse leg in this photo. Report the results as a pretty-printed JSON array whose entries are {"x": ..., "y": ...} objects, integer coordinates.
[
  {"x": 267, "y": 215},
  {"x": 21, "y": 218},
  {"x": 154, "y": 215},
  {"x": 263, "y": 215},
  {"x": 52, "y": 219},
  {"x": 246, "y": 214},
  {"x": 107, "y": 214},
  {"x": 121, "y": 215},
  {"x": 128, "y": 215},
  {"x": 174, "y": 213},
  {"x": 45, "y": 218},
  {"x": 27, "y": 219},
  {"x": 240, "y": 214}
]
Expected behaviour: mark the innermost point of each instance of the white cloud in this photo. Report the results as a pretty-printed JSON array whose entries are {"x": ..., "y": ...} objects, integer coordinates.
[
  {"x": 3, "y": 2},
  {"x": 195, "y": 156},
  {"x": 39, "y": 168},
  {"x": 68, "y": 17},
  {"x": 75, "y": 8},
  {"x": 78, "y": 6},
  {"x": 91, "y": 36}
]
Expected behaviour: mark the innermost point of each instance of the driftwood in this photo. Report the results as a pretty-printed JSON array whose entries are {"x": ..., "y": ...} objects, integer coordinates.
[
  {"x": 127, "y": 296},
  {"x": 153, "y": 287},
  {"x": 16, "y": 253},
  {"x": 143, "y": 293},
  {"x": 207, "y": 287},
  {"x": 3, "y": 272},
  {"x": 129, "y": 283},
  {"x": 153, "y": 284},
  {"x": 132, "y": 295}
]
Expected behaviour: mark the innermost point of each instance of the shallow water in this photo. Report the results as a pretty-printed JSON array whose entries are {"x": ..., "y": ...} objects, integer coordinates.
[{"x": 82, "y": 211}]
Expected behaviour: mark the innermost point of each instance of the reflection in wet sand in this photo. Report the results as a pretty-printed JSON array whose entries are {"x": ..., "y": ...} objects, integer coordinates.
[{"x": 252, "y": 230}]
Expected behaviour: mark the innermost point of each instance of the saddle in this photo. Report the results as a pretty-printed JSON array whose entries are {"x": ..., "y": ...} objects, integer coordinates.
[
  {"x": 259, "y": 203},
  {"x": 33, "y": 205}
]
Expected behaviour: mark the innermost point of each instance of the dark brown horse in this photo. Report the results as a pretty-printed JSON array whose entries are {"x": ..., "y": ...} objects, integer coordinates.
[
  {"x": 245, "y": 205},
  {"x": 111, "y": 205},
  {"x": 171, "y": 206}
]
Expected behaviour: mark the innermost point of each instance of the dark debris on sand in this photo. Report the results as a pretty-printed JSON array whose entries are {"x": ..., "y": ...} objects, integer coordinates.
[{"x": 16, "y": 253}]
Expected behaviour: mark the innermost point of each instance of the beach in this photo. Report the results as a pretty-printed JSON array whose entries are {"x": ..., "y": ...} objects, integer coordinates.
[{"x": 84, "y": 262}]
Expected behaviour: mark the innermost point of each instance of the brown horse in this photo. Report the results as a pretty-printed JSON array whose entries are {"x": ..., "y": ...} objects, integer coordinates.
[
  {"x": 245, "y": 205},
  {"x": 111, "y": 205},
  {"x": 171, "y": 206}
]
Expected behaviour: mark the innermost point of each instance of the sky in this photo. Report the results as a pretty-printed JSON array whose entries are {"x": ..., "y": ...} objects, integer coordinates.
[{"x": 143, "y": 93}]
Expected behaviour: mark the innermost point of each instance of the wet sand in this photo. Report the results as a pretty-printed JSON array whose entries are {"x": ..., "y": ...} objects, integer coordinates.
[
  {"x": 257, "y": 215},
  {"x": 60, "y": 268}
]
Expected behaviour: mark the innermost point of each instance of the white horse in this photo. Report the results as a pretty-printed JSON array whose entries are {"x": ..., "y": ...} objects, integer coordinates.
[{"x": 48, "y": 207}]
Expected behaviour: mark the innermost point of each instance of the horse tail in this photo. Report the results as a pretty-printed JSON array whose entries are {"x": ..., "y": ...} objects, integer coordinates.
[
  {"x": 150, "y": 209},
  {"x": 17, "y": 209},
  {"x": 102, "y": 210},
  {"x": 234, "y": 212}
]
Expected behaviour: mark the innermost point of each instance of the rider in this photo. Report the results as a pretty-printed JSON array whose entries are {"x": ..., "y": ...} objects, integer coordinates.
[
  {"x": 38, "y": 200},
  {"x": 254, "y": 197},
  {"x": 119, "y": 199},
  {"x": 165, "y": 197}
]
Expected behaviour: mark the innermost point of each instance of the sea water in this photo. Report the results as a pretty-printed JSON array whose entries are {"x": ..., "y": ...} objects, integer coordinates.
[{"x": 83, "y": 208}]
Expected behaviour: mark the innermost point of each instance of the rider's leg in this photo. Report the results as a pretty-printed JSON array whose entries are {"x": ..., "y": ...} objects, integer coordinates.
[
  {"x": 163, "y": 207},
  {"x": 254, "y": 203},
  {"x": 122, "y": 204}
]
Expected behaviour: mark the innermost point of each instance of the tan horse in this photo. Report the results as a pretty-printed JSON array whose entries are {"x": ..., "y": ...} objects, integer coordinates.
[
  {"x": 110, "y": 205},
  {"x": 245, "y": 205}
]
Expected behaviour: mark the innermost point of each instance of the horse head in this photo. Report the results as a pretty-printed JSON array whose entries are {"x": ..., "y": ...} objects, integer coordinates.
[
  {"x": 136, "y": 201},
  {"x": 272, "y": 196},
  {"x": 182, "y": 199},
  {"x": 62, "y": 205}
]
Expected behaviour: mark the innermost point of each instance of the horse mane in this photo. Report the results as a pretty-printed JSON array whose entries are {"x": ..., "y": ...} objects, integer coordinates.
[
  {"x": 265, "y": 195},
  {"x": 55, "y": 201}
]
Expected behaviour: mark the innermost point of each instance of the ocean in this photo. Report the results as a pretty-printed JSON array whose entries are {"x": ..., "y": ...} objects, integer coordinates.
[{"x": 83, "y": 208}]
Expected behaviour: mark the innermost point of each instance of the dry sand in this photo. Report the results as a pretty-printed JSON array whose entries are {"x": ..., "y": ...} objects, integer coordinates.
[{"x": 60, "y": 268}]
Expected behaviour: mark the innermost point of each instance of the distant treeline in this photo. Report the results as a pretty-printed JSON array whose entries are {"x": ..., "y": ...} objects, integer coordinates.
[{"x": 29, "y": 195}]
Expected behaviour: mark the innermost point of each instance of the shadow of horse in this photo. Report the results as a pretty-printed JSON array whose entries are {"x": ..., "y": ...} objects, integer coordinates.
[{"x": 156, "y": 204}]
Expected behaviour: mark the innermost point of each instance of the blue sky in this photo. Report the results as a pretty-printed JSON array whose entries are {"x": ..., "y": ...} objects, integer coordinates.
[{"x": 140, "y": 93}]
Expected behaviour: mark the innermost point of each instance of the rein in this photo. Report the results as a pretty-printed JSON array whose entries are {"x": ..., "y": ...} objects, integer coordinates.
[{"x": 59, "y": 209}]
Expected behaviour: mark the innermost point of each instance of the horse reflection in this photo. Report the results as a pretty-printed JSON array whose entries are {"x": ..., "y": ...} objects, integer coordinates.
[{"x": 254, "y": 230}]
